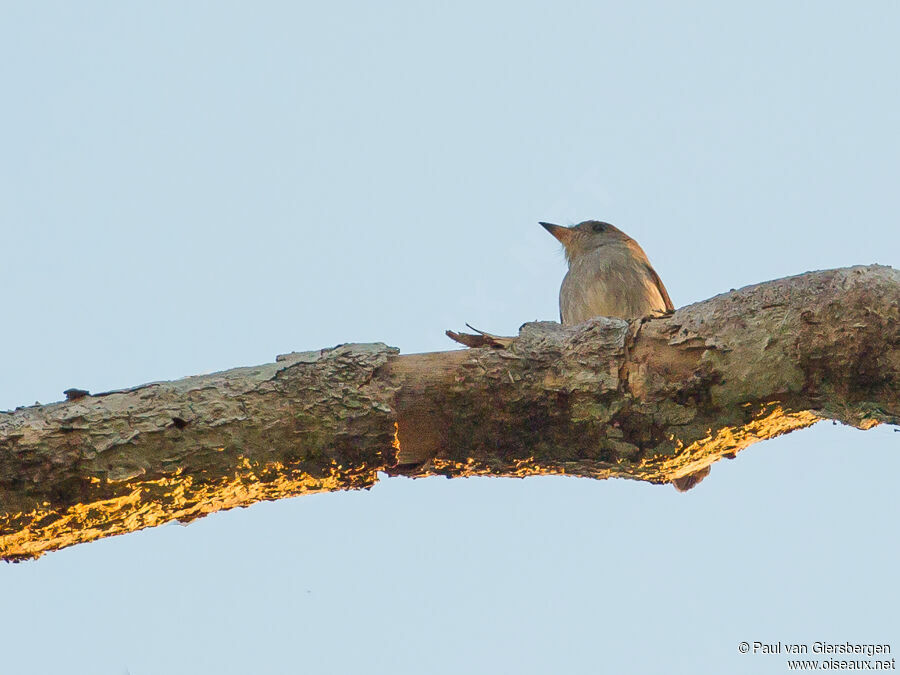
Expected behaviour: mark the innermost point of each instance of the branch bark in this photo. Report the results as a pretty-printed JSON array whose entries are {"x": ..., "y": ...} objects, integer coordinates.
[{"x": 656, "y": 400}]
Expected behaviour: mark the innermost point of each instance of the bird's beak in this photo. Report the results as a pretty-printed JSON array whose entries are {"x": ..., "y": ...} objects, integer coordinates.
[{"x": 564, "y": 234}]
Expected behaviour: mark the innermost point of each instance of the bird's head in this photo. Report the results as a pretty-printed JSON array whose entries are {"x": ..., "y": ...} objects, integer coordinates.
[{"x": 586, "y": 236}]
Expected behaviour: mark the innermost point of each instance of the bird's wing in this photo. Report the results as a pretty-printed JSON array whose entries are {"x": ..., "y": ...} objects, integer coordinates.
[{"x": 662, "y": 289}]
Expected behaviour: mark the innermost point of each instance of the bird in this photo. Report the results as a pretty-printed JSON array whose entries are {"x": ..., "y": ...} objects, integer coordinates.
[{"x": 609, "y": 275}]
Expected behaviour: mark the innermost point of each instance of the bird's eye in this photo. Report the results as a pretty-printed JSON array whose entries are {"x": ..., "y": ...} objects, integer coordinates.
[{"x": 598, "y": 227}]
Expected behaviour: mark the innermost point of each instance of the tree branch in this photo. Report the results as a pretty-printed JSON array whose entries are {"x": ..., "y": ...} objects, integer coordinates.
[{"x": 656, "y": 400}]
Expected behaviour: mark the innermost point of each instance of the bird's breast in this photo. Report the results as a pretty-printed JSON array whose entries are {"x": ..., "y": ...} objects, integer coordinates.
[{"x": 610, "y": 281}]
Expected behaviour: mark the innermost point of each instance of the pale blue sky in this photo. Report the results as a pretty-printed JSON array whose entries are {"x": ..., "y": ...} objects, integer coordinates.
[{"x": 187, "y": 187}]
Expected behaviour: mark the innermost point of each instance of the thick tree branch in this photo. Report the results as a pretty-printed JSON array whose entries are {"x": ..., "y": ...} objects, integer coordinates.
[{"x": 657, "y": 400}]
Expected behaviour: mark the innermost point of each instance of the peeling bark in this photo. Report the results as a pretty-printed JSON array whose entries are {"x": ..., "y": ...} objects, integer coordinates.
[{"x": 656, "y": 400}]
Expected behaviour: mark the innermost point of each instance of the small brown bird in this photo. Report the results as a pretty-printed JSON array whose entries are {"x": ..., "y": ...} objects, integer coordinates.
[{"x": 609, "y": 275}]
